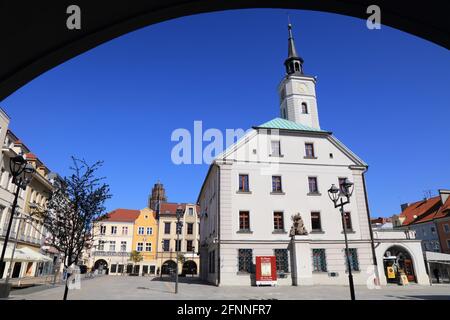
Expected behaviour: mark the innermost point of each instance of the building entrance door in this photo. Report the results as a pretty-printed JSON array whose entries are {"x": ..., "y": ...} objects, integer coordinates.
[{"x": 409, "y": 271}]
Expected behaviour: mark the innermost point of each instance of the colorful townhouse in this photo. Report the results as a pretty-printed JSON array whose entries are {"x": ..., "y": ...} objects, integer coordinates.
[{"x": 145, "y": 237}]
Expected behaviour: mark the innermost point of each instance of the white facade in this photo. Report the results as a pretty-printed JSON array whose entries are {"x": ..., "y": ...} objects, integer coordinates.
[
  {"x": 113, "y": 242},
  {"x": 238, "y": 225}
]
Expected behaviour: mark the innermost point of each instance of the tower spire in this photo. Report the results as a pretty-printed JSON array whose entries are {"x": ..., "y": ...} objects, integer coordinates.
[{"x": 293, "y": 63}]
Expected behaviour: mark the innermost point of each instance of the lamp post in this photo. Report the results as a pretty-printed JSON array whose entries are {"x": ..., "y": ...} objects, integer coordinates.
[
  {"x": 178, "y": 244},
  {"x": 161, "y": 263},
  {"x": 336, "y": 195},
  {"x": 22, "y": 173}
]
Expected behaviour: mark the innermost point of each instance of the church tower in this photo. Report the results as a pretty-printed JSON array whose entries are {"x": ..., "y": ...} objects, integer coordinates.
[
  {"x": 158, "y": 195},
  {"x": 297, "y": 90}
]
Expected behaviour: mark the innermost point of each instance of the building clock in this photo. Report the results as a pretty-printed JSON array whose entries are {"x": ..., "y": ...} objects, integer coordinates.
[{"x": 301, "y": 88}]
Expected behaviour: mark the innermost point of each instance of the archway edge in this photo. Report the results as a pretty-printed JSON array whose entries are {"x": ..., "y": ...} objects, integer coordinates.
[{"x": 36, "y": 39}]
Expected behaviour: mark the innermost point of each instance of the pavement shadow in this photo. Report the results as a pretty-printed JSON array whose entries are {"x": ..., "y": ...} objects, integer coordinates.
[
  {"x": 431, "y": 297},
  {"x": 188, "y": 280}
]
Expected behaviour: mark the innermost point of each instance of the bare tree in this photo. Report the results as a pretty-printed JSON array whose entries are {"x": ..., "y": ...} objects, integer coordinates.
[{"x": 77, "y": 201}]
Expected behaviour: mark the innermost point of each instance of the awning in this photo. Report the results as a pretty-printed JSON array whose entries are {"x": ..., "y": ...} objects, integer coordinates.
[
  {"x": 25, "y": 254},
  {"x": 437, "y": 257}
]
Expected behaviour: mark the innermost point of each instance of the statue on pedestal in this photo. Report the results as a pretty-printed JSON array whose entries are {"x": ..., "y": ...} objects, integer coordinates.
[{"x": 298, "y": 227}]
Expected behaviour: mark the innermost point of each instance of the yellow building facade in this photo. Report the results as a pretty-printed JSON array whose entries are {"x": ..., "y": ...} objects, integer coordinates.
[{"x": 145, "y": 239}]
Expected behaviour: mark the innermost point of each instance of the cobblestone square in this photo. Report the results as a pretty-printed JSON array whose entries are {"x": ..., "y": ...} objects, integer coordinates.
[{"x": 152, "y": 288}]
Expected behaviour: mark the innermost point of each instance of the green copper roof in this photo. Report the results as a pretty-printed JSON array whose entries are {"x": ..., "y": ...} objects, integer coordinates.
[{"x": 279, "y": 123}]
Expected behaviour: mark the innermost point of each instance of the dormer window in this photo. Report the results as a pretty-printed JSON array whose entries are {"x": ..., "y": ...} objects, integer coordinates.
[{"x": 304, "y": 108}]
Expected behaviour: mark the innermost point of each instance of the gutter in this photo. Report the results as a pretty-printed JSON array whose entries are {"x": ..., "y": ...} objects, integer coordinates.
[
  {"x": 370, "y": 227},
  {"x": 218, "y": 227}
]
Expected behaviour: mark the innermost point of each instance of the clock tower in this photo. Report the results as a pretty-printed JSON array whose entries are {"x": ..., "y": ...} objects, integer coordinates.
[{"x": 297, "y": 90}]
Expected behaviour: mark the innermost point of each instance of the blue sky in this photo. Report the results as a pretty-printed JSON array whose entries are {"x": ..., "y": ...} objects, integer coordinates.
[{"x": 384, "y": 93}]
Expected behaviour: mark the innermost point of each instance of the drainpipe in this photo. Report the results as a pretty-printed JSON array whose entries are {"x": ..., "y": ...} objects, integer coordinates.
[
  {"x": 375, "y": 263},
  {"x": 218, "y": 227}
]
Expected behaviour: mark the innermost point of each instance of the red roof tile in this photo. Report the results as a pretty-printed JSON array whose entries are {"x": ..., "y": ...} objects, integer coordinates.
[
  {"x": 30, "y": 156},
  {"x": 171, "y": 207},
  {"x": 122, "y": 215},
  {"x": 421, "y": 211},
  {"x": 443, "y": 210}
]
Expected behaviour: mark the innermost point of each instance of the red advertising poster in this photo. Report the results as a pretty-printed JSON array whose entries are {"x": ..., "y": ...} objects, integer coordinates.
[{"x": 266, "y": 270}]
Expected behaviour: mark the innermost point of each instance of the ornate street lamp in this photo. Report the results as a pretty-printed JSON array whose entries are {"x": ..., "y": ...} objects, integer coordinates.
[
  {"x": 22, "y": 173},
  {"x": 179, "y": 214},
  {"x": 336, "y": 195}
]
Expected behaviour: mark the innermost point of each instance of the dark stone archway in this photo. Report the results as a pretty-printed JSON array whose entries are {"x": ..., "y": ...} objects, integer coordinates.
[
  {"x": 168, "y": 267},
  {"x": 101, "y": 265},
  {"x": 399, "y": 259},
  {"x": 189, "y": 267},
  {"x": 35, "y": 37}
]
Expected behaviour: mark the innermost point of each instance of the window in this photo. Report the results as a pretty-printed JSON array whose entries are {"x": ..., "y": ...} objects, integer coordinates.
[
  {"x": 112, "y": 246},
  {"x": 191, "y": 211},
  {"x": 282, "y": 261},
  {"x": 316, "y": 224},
  {"x": 189, "y": 246},
  {"x": 304, "y": 108},
  {"x": 113, "y": 230},
  {"x": 244, "y": 220},
  {"x": 149, "y": 230},
  {"x": 275, "y": 147},
  {"x": 120, "y": 268},
  {"x": 243, "y": 183},
  {"x": 433, "y": 230},
  {"x": 113, "y": 268},
  {"x": 123, "y": 246},
  {"x": 140, "y": 246},
  {"x": 101, "y": 245},
  {"x": 353, "y": 256},
  {"x": 313, "y": 188},
  {"x": 319, "y": 260},
  {"x": 245, "y": 260},
  {"x": 446, "y": 228},
  {"x": 148, "y": 246},
  {"x": 166, "y": 245},
  {"x": 166, "y": 227},
  {"x": 190, "y": 228},
  {"x": 102, "y": 230},
  {"x": 124, "y": 230},
  {"x": 309, "y": 150},
  {"x": 276, "y": 184},
  {"x": 348, "y": 221},
  {"x": 141, "y": 230},
  {"x": 177, "y": 245},
  {"x": 283, "y": 113},
  {"x": 278, "y": 221}
]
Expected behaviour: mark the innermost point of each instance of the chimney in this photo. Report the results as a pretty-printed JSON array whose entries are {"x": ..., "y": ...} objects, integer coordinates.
[
  {"x": 404, "y": 206},
  {"x": 444, "y": 194}
]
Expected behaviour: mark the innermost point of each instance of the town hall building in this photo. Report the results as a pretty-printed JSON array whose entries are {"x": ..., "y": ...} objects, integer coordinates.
[{"x": 279, "y": 169}]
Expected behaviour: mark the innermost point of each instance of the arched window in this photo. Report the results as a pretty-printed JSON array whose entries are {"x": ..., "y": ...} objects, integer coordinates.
[
  {"x": 304, "y": 107},
  {"x": 297, "y": 67},
  {"x": 283, "y": 113}
]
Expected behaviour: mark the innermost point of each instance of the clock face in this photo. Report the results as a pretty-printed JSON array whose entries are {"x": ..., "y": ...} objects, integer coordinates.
[{"x": 302, "y": 88}]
